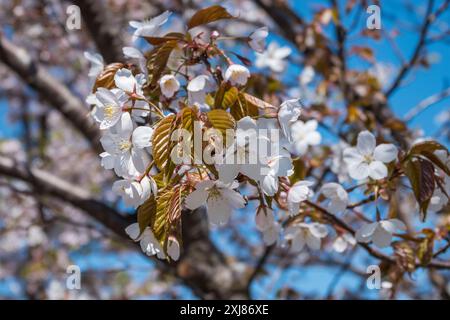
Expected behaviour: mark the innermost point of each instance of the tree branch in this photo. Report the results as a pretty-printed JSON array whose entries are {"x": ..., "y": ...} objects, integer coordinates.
[
  {"x": 202, "y": 267},
  {"x": 104, "y": 31},
  {"x": 50, "y": 89}
]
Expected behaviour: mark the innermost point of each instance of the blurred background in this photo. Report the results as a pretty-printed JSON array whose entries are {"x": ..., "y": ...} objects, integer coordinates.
[{"x": 56, "y": 204}]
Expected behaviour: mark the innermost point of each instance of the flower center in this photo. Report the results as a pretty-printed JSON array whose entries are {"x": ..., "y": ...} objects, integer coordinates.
[
  {"x": 368, "y": 158},
  {"x": 109, "y": 111},
  {"x": 124, "y": 145},
  {"x": 214, "y": 193}
]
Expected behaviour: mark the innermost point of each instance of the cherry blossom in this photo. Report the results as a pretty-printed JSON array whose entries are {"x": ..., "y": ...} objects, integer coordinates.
[
  {"x": 149, "y": 245},
  {"x": 257, "y": 39},
  {"x": 220, "y": 199},
  {"x": 273, "y": 57},
  {"x": 169, "y": 85},
  {"x": 237, "y": 75},
  {"x": 367, "y": 159},
  {"x": 108, "y": 107},
  {"x": 343, "y": 242},
  {"x": 304, "y": 134},
  {"x": 97, "y": 63},
  {"x": 298, "y": 193},
  {"x": 126, "y": 146},
  {"x": 287, "y": 115},
  {"x": 337, "y": 196},
  {"x": 379, "y": 232},
  {"x": 310, "y": 234},
  {"x": 150, "y": 27},
  {"x": 135, "y": 193}
]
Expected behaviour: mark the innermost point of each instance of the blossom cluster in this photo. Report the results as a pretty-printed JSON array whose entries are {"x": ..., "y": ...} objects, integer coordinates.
[{"x": 140, "y": 105}]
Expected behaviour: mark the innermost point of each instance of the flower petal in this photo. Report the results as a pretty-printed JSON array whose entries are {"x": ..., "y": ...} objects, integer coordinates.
[
  {"x": 142, "y": 136},
  {"x": 359, "y": 171},
  {"x": 366, "y": 143},
  {"x": 196, "y": 199},
  {"x": 385, "y": 152},
  {"x": 377, "y": 170}
]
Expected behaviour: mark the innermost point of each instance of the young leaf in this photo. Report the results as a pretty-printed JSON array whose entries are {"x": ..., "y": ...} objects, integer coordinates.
[
  {"x": 168, "y": 212},
  {"x": 145, "y": 213},
  {"x": 221, "y": 120},
  {"x": 156, "y": 41},
  {"x": 420, "y": 173},
  {"x": 158, "y": 58},
  {"x": 161, "y": 143},
  {"x": 226, "y": 96},
  {"x": 106, "y": 78},
  {"x": 207, "y": 15}
]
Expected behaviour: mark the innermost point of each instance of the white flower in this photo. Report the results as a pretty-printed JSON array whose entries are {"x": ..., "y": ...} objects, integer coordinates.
[
  {"x": 342, "y": 242},
  {"x": 274, "y": 166},
  {"x": 272, "y": 234},
  {"x": 257, "y": 40},
  {"x": 149, "y": 245},
  {"x": 338, "y": 165},
  {"x": 379, "y": 232},
  {"x": 242, "y": 155},
  {"x": 36, "y": 236},
  {"x": 310, "y": 234},
  {"x": 273, "y": 57},
  {"x": 237, "y": 74},
  {"x": 220, "y": 199},
  {"x": 135, "y": 193},
  {"x": 264, "y": 218},
  {"x": 197, "y": 89},
  {"x": 132, "y": 52},
  {"x": 97, "y": 63},
  {"x": 287, "y": 114},
  {"x": 126, "y": 81},
  {"x": 265, "y": 222},
  {"x": 337, "y": 195},
  {"x": 298, "y": 193},
  {"x": 126, "y": 146},
  {"x": 307, "y": 75},
  {"x": 108, "y": 108},
  {"x": 169, "y": 85},
  {"x": 148, "y": 28},
  {"x": 173, "y": 248},
  {"x": 366, "y": 160},
  {"x": 304, "y": 134},
  {"x": 107, "y": 160}
]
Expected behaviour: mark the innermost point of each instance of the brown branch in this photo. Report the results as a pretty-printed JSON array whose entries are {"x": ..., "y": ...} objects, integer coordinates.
[
  {"x": 429, "y": 18},
  {"x": 50, "y": 89},
  {"x": 202, "y": 267},
  {"x": 373, "y": 252},
  {"x": 103, "y": 29}
]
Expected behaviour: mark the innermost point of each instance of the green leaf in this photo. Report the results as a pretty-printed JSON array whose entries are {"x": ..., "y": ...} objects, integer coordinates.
[
  {"x": 161, "y": 143},
  {"x": 156, "y": 41},
  {"x": 425, "y": 249},
  {"x": 226, "y": 96},
  {"x": 428, "y": 146},
  {"x": 221, "y": 120},
  {"x": 243, "y": 109},
  {"x": 260, "y": 104},
  {"x": 145, "y": 213},
  {"x": 207, "y": 15},
  {"x": 157, "y": 60},
  {"x": 168, "y": 212}
]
